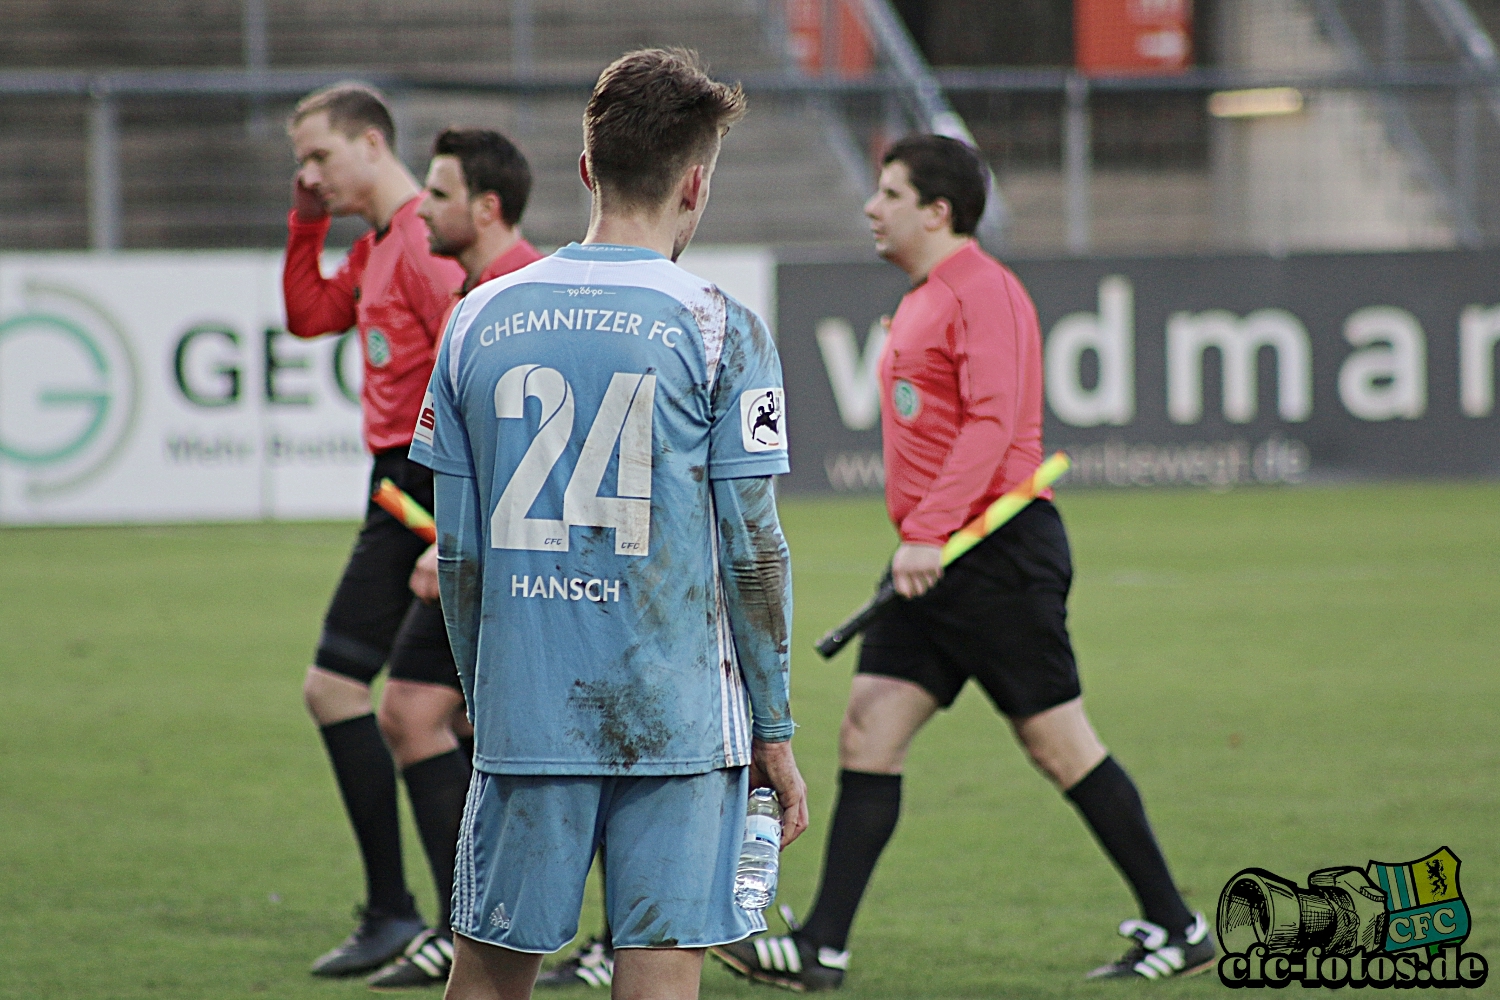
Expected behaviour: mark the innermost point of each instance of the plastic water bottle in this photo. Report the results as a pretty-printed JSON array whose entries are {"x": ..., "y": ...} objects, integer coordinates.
[{"x": 760, "y": 857}]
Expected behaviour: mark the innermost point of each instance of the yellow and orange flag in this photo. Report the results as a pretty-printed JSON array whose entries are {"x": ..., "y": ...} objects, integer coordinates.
[
  {"x": 1005, "y": 507},
  {"x": 399, "y": 504}
]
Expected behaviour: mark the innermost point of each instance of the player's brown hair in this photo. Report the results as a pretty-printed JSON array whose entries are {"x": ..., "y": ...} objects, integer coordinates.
[
  {"x": 490, "y": 162},
  {"x": 351, "y": 107},
  {"x": 940, "y": 167},
  {"x": 652, "y": 114}
]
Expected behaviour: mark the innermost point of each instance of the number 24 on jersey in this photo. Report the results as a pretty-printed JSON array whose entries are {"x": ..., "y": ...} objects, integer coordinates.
[{"x": 623, "y": 421}]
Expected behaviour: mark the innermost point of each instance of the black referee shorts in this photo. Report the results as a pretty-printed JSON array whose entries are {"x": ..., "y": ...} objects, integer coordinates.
[
  {"x": 374, "y": 618},
  {"x": 998, "y": 615}
]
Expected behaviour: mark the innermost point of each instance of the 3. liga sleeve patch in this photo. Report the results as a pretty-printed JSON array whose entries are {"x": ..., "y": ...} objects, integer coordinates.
[
  {"x": 763, "y": 420},
  {"x": 426, "y": 421}
]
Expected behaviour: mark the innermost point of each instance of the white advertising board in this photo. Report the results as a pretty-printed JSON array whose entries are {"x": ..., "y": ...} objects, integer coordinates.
[
  {"x": 155, "y": 387},
  {"x": 162, "y": 387}
]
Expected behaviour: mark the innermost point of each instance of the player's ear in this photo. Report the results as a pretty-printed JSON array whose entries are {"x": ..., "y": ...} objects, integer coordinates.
[
  {"x": 373, "y": 141},
  {"x": 583, "y": 171},
  {"x": 488, "y": 207},
  {"x": 694, "y": 186},
  {"x": 939, "y": 214}
]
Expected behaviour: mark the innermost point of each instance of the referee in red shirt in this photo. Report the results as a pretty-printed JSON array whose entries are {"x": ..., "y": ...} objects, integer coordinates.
[
  {"x": 396, "y": 289},
  {"x": 477, "y": 186},
  {"x": 961, "y": 420}
]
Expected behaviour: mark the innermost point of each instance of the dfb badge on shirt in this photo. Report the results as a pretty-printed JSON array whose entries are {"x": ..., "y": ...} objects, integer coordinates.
[
  {"x": 762, "y": 420},
  {"x": 377, "y": 348}
]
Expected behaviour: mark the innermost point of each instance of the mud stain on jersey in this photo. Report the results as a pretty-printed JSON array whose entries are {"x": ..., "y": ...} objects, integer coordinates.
[
  {"x": 467, "y": 582},
  {"x": 593, "y": 541},
  {"x": 758, "y": 340},
  {"x": 759, "y": 589},
  {"x": 735, "y": 356},
  {"x": 518, "y": 811},
  {"x": 703, "y": 317},
  {"x": 731, "y": 373},
  {"x": 655, "y": 580},
  {"x": 707, "y": 318},
  {"x": 630, "y": 721},
  {"x": 758, "y": 577}
]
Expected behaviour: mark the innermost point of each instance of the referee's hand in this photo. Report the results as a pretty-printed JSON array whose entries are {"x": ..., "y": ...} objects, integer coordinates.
[
  {"x": 773, "y": 766},
  {"x": 915, "y": 568},
  {"x": 307, "y": 203},
  {"x": 424, "y": 576}
]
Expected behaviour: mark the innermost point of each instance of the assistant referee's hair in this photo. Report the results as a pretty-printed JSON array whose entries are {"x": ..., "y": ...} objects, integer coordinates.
[
  {"x": 653, "y": 113},
  {"x": 940, "y": 167},
  {"x": 351, "y": 107},
  {"x": 490, "y": 162}
]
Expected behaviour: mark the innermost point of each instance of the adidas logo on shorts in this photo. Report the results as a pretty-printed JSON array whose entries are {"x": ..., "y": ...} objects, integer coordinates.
[{"x": 499, "y": 919}]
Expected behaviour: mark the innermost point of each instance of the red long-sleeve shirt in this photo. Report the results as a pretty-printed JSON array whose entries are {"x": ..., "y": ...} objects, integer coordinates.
[
  {"x": 960, "y": 395},
  {"x": 396, "y": 292}
]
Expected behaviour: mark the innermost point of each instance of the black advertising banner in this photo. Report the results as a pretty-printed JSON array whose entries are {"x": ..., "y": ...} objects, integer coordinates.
[
  {"x": 829, "y": 334},
  {"x": 1209, "y": 371}
]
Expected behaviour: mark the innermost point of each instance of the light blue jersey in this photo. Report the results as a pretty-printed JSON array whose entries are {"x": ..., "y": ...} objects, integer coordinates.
[{"x": 592, "y": 399}]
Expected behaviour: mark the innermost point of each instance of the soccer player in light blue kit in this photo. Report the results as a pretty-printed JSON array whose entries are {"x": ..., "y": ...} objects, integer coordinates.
[{"x": 604, "y": 427}]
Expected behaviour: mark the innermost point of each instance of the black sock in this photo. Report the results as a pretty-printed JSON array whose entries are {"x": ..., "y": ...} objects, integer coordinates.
[
  {"x": 367, "y": 781},
  {"x": 1110, "y": 803},
  {"x": 863, "y": 821},
  {"x": 437, "y": 787}
]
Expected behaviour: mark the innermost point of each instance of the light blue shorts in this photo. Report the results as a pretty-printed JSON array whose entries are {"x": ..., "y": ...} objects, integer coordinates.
[{"x": 670, "y": 847}]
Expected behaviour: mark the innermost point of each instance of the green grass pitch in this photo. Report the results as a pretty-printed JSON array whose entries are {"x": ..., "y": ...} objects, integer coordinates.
[{"x": 1296, "y": 679}]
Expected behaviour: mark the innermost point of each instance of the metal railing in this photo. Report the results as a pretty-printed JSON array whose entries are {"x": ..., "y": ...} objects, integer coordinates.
[
  {"x": 1426, "y": 116},
  {"x": 1463, "y": 86}
]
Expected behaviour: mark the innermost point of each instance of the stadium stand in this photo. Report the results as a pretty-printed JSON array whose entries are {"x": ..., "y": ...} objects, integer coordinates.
[
  {"x": 213, "y": 171},
  {"x": 1365, "y": 166}
]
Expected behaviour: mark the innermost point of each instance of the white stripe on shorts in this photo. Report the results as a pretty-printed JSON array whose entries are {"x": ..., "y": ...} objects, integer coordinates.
[{"x": 464, "y": 887}]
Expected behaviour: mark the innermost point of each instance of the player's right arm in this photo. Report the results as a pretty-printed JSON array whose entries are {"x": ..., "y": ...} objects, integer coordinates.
[
  {"x": 460, "y": 528},
  {"x": 440, "y": 441},
  {"x": 756, "y": 570},
  {"x": 314, "y": 304},
  {"x": 754, "y": 564}
]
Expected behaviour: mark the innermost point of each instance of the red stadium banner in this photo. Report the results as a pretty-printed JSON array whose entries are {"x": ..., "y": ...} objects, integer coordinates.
[
  {"x": 1132, "y": 36},
  {"x": 829, "y": 37}
]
